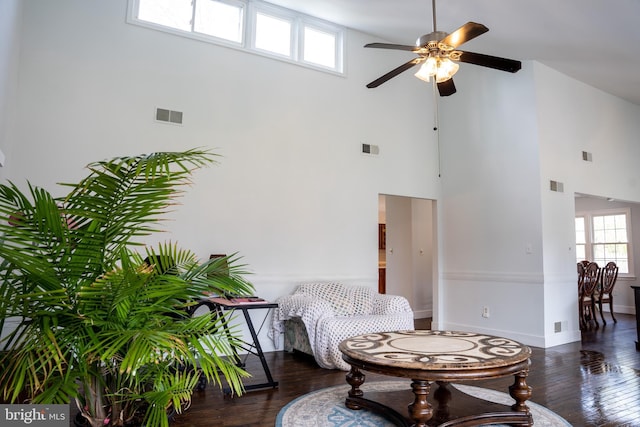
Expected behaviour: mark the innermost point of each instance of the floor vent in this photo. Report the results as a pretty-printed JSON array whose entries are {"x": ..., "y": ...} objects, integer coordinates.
[{"x": 169, "y": 116}]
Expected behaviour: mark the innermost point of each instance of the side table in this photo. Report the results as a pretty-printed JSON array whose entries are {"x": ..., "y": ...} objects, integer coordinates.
[{"x": 219, "y": 305}]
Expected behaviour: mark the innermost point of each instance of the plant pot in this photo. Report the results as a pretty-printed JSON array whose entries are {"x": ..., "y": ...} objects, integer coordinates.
[{"x": 80, "y": 421}]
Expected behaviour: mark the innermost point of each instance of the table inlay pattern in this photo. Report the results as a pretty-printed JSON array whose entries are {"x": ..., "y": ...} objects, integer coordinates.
[{"x": 440, "y": 349}]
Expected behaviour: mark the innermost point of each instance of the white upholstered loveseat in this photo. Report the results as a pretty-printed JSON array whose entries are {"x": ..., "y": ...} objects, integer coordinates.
[{"x": 318, "y": 316}]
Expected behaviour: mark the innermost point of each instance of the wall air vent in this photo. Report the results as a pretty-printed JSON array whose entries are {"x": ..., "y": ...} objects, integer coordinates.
[
  {"x": 586, "y": 156},
  {"x": 556, "y": 186},
  {"x": 370, "y": 149},
  {"x": 169, "y": 116}
]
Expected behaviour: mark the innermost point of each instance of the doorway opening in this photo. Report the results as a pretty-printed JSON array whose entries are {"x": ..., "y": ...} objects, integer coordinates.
[{"x": 407, "y": 250}]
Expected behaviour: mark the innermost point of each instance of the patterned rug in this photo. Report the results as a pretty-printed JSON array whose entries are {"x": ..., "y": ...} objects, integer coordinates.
[{"x": 325, "y": 408}]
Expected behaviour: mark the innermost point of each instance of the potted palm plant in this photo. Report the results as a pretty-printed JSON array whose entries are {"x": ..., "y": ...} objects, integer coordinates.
[{"x": 102, "y": 319}]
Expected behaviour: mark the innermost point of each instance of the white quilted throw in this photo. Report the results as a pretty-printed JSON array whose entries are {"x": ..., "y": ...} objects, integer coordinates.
[{"x": 332, "y": 312}]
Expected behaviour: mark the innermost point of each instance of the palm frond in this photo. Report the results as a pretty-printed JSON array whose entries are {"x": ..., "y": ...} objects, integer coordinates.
[{"x": 95, "y": 312}]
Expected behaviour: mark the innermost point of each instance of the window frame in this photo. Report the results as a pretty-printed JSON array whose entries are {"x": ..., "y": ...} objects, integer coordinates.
[
  {"x": 299, "y": 22},
  {"x": 589, "y": 244},
  {"x": 132, "y": 18}
]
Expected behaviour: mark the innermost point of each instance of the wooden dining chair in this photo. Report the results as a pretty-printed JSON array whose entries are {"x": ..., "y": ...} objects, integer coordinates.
[
  {"x": 608, "y": 280},
  {"x": 586, "y": 300},
  {"x": 581, "y": 269}
]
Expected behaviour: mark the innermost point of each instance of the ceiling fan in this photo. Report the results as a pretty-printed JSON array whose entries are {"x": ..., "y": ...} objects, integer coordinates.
[{"x": 438, "y": 54}]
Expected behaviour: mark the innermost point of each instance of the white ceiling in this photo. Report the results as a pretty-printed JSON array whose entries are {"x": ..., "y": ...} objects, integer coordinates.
[{"x": 594, "y": 41}]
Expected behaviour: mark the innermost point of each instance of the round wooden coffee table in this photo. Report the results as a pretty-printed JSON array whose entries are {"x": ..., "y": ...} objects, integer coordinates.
[{"x": 442, "y": 357}]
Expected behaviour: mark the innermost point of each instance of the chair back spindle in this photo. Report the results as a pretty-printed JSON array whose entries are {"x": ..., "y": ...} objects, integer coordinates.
[{"x": 609, "y": 277}]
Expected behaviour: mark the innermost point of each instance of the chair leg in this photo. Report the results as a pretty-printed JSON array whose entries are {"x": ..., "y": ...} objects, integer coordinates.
[
  {"x": 593, "y": 313},
  {"x": 611, "y": 309},
  {"x": 604, "y": 322}
]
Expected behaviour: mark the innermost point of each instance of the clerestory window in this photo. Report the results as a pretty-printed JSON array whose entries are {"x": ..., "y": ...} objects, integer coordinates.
[{"x": 254, "y": 26}]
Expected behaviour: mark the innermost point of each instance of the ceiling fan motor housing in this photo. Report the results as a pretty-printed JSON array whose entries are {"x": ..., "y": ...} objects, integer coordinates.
[{"x": 434, "y": 36}]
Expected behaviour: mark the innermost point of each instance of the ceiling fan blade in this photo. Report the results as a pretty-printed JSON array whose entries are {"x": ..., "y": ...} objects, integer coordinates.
[
  {"x": 502, "y": 64},
  {"x": 392, "y": 46},
  {"x": 468, "y": 31},
  {"x": 391, "y": 74},
  {"x": 446, "y": 88}
]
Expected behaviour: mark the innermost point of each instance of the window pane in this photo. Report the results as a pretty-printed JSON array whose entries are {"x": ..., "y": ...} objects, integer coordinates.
[
  {"x": 170, "y": 13},
  {"x": 618, "y": 253},
  {"x": 623, "y": 266},
  {"x": 609, "y": 221},
  {"x": 319, "y": 47},
  {"x": 621, "y": 228},
  {"x": 580, "y": 231},
  {"x": 580, "y": 253},
  {"x": 610, "y": 235},
  {"x": 609, "y": 228},
  {"x": 609, "y": 240},
  {"x": 273, "y": 34},
  {"x": 598, "y": 252},
  {"x": 219, "y": 20},
  {"x": 598, "y": 229}
]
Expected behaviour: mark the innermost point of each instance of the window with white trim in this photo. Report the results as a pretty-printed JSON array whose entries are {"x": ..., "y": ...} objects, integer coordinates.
[
  {"x": 273, "y": 33},
  {"x": 319, "y": 46},
  {"x": 218, "y": 19},
  {"x": 605, "y": 236},
  {"x": 249, "y": 25}
]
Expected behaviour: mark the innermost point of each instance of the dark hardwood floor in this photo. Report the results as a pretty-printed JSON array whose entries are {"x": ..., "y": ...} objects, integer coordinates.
[{"x": 592, "y": 383}]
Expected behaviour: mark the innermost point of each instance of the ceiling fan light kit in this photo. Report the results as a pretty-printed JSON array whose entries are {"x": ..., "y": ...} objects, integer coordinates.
[
  {"x": 438, "y": 55},
  {"x": 440, "y": 68}
]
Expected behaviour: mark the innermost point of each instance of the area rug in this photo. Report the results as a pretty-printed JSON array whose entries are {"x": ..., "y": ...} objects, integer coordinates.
[{"x": 325, "y": 408}]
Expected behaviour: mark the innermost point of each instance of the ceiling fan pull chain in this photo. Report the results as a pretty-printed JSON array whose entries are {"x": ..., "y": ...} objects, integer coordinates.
[{"x": 436, "y": 124}]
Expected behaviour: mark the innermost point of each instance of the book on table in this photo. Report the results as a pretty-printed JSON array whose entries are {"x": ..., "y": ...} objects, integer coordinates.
[
  {"x": 238, "y": 300},
  {"x": 247, "y": 300}
]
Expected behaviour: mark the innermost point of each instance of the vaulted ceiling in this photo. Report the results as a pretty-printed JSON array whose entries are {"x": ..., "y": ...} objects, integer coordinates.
[{"x": 594, "y": 41}]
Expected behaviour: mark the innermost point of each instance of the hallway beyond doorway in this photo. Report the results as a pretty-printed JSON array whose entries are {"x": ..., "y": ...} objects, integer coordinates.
[{"x": 407, "y": 250}]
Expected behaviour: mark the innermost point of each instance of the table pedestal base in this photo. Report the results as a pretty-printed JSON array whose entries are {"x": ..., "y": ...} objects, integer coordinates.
[{"x": 451, "y": 406}]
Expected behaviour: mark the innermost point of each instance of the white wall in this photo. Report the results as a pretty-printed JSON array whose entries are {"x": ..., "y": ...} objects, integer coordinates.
[
  {"x": 490, "y": 215},
  {"x": 508, "y": 241},
  {"x": 576, "y": 117},
  {"x": 10, "y": 18},
  {"x": 10, "y": 11},
  {"x": 292, "y": 194}
]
